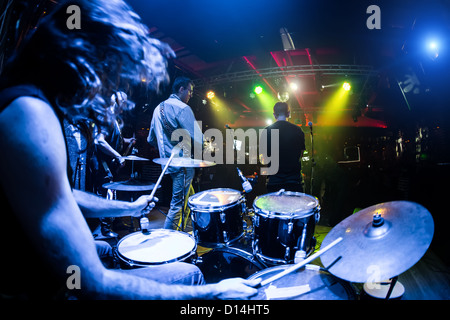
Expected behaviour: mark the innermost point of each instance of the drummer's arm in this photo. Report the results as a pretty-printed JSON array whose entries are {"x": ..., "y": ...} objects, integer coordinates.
[
  {"x": 93, "y": 206},
  {"x": 35, "y": 172},
  {"x": 106, "y": 148}
]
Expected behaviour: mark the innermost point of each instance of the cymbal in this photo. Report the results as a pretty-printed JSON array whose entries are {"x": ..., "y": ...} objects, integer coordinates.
[
  {"x": 129, "y": 185},
  {"x": 185, "y": 162},
  {"x": 379, "y": 242},
  {"x": 135, "y": 158}
]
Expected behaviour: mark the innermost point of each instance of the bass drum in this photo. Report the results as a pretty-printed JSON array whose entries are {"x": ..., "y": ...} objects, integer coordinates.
[
  {"x": 308, "y": 283},
  {"x": 227, "y": 262}
]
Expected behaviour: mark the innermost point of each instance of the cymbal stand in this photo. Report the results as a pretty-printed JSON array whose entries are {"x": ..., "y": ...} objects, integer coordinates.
[
  {"x": 391, "y": 287},
  {"x": 313, "y": 163},
  {"x": 184, "y": 199}
]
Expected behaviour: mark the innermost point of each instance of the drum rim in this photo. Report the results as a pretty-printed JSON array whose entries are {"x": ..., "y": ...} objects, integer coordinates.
[
  {"x": 213, "y": 208},
  {"x": 300, "y": 213},
  {"x": 350, "y": 291},
  {"x": 135, "y": 263},
  {"x": 239, "y": 252},
  {"x": 278, "y": 262}
]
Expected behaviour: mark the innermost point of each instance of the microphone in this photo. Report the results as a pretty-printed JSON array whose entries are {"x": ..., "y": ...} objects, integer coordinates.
[
  {"x": 310, "y": 126},
  {"x": 227, "y": 126},
  {"x": 245, "y": 184}
]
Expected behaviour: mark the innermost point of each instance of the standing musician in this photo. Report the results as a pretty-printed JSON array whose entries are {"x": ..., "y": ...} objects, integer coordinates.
[
  {"x": 291, "y": 146},
  {"x": 168, "y": 116},
  {"x": 106, "y": 157},
  {"x": 57, "y": 73}
]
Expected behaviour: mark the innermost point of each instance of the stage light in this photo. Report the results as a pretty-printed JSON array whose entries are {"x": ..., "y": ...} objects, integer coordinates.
[
  {"x": 346, "y": 86},
  {"x": 433, "y": 49},
  {"x": 293, "y": 86},
  {"x": 283, "y": 96},
  {"x": 258, "y": 89},
  {"x": 433, "y": 45},
  {"x": 269, "y": 122},
  {"x": 210, "y": 94}
]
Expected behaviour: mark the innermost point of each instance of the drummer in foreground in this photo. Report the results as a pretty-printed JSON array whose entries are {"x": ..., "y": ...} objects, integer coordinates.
[{"x": 56, "y": 74}]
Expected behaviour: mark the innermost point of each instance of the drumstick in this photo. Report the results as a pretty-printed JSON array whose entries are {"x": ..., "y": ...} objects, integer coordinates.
[
  {"x": 175, "y": 150},
  {"x": 300, "y": 264}
]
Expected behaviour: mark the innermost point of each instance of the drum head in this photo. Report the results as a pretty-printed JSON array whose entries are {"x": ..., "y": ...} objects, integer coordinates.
[
  {"x": 156, "y": 247},
  {"x": 286, "y": 204},
  {"x": 308, "y": 283},
  {"x": 227, "y": 262},
  {"x": 214, "y": 198}
]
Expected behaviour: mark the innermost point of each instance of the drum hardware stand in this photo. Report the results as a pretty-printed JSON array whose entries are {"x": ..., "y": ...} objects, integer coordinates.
[
  {"x": 165, "y": 214},
  {"x": 393, "y": 282},
  {"x": 300, "y": 254},
  {"x": 184, "y": 199},
  {"x": 297, "y": 266},
  {"x": 313, "y": 163},
  {"x": 391, "y": 287}
]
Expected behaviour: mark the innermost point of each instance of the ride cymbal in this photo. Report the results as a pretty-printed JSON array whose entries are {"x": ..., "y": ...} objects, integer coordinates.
[
  {"x": 135, "y": 158},
  {"x": 185, "y": 162},
  {"x": 379, "y": 242},
  {"x": 129, "y": 185}
]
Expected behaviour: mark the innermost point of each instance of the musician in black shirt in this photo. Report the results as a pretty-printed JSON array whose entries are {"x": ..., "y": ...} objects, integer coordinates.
[{"x": 291, "y": 144}]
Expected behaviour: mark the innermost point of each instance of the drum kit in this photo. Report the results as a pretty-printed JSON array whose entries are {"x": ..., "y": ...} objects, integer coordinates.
[{"x": 372, "y": 247}]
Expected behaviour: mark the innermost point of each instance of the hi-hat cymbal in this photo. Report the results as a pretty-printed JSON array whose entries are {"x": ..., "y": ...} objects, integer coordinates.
[
  {"x": 379, "y": 242},
  {"x": 130, "y": 185},
  {"x": 184, "y": 162},
  {"x": 135, "y": 158}
]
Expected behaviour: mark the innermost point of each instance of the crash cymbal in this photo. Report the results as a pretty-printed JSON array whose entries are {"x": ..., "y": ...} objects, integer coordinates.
[
  {"x": 379, "y": 242},
  {"x": 135, "y": 158},
  {"x": 130, "y": 185},
  {"x": 185, "y": 162}
]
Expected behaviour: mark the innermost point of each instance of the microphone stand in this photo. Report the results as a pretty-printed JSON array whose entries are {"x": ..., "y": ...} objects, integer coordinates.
[{"x": 313, "y": 163}]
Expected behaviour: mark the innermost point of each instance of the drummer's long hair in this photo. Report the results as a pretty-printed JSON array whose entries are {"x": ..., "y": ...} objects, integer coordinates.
[{"x": 112, "y": 50}]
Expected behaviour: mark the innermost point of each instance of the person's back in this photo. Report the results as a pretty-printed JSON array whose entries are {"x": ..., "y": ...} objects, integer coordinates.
[{"x": 291, "y": 145}]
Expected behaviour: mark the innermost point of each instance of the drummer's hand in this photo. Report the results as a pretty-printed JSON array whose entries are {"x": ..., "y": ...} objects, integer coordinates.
[
  {"x": 121, "y": 161},
  {"x": 141, "y": 204},
  {"x": 237, "y": 288}
]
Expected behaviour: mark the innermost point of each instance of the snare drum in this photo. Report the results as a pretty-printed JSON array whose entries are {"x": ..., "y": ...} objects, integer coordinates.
[
  {"x": 283, "y": 224},
  {"x": 308, "y": 283},
  {"x": 158, "y": 246},
  {"x": 217, "y": 216}
]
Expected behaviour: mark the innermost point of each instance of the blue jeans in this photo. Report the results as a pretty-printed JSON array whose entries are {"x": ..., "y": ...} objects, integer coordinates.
[
  {"x": 170, "y": 273},
  {"x": 105, "y": 253},
  {"x": 178, "y": 193}
]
